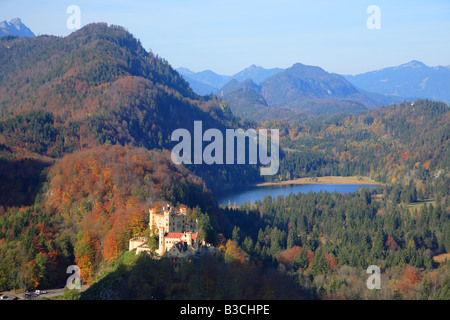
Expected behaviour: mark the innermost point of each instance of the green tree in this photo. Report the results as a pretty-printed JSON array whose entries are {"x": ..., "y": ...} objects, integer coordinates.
[
  {"x": 247, "y": 244},
  {"x": 425, "y": 290},
  {"x": 319, "y": 264},
  {"x": 444, "y": 290},
  {"x": 300, "y": 260},
  {"x": 291, "y": 239},
  {"x": 236, "y": 234}
]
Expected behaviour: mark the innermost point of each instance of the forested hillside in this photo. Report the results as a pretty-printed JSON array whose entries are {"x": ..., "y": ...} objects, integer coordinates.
[
  {"x": 411, "y": 79},
  {"x": 389, "y": 144},
  {"x": 327, "y": 240},
  {"x": 299, "y": 90},
  {"x": 99, "y": 86},
  {"x": 93, "y": 202},
  {"x": 78, "y": 117},
  {"x": 85, "y": 140}
]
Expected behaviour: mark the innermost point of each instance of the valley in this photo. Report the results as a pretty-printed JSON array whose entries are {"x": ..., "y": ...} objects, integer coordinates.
[{"x": 86, "y": 141}]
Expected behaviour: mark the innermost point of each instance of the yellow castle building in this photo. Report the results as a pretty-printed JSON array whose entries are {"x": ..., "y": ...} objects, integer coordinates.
[{"x": 178, "y": 234}]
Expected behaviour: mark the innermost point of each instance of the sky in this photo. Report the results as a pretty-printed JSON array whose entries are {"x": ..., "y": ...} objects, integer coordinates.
[{"x": 226, "y": 36}]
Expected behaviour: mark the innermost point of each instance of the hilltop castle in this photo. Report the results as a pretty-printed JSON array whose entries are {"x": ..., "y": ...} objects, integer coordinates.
[{"x": 178, "y": 235}]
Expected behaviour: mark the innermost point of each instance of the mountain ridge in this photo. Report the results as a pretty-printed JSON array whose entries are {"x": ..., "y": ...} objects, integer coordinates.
[
  {"x": 413, "y": 79},
  {"x": 15, "y": 28},
  {"x": 94, "y": 87},
  {"x": 300, "y": 89},
  {"x": 208, "y": 82}
]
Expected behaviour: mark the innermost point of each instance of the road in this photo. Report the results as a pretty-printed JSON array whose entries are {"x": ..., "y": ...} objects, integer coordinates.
[{"x": 51, "y": 293}]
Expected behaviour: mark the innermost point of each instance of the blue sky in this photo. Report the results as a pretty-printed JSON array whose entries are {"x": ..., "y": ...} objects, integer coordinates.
[{"x": 228, "y": 36}]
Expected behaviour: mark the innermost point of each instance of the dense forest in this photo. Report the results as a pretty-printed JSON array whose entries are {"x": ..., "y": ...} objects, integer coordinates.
[
  {"x": 308, "y": 246},
  {"x": 85, "y": 125},
  {"x": 99, "y": 86},
  {"x": 327, "y": 238},
  {"x": 91, "y": 204},
  {"x": 388, "y": 144}
]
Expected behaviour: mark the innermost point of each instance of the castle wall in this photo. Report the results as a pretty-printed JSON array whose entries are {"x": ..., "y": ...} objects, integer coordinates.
[
  {"x": 173, "y": 229},
  {"x": 136, "y": 242}
]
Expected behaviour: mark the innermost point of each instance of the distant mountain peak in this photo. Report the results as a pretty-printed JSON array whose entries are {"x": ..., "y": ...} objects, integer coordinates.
[
  {"x": 411, "y": 80},
  {"x": 16, "y": 28},
  {"x": 256, "y": 73},
  {"x": 16, "y": 21},
  {"x": 301, "y": 66},
  {"x": 184, "y": 71},
  {"x": 298, "y": 65},
  {"x": 412, "y": 64}
]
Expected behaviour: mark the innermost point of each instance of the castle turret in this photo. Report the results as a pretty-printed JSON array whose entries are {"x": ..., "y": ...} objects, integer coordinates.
[
  {"x": 151, "y": 212},
  {"x": 167, "y": 219},
  {"x": 189, "y": 238},
  {"x": 162, "y": 248}
]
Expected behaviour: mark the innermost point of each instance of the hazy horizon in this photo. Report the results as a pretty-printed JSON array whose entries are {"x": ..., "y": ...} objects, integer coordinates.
[{"x": 227, "y": 37}]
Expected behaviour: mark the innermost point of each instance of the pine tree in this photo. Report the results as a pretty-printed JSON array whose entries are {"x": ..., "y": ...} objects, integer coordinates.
[
  {"x": 300, "y": 260},
  {"x": 319, "y": 264},
  {"x": 333, "y": 284},
  {"x": 425, "y": 290},
  {"x": 236, "y": 234},
  {"x": 300, "y": 280},
  {"x": 291, "y": 239},
  {"x": 397, "y": 295}
]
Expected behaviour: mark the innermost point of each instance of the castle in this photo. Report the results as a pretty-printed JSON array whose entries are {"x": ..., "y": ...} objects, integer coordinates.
[{"x": 178, "y": 235}]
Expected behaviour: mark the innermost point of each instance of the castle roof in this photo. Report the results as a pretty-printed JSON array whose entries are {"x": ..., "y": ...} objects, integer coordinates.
[
  {"x": 179, "y": 235},
  {"x": 174, "y": 235}
]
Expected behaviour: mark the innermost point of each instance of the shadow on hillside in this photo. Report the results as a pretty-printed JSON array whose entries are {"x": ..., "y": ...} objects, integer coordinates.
[
  {"x": 20, "y": 181},
  {"x": 204, "y": 278}
]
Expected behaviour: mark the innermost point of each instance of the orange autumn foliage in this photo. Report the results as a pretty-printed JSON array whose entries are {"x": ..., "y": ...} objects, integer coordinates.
[
  {"x": 412, "y": 275},
  {"x": 287, "y": 257},
  {"x": 332, "y": 261},
  {"x": 310, "y": 255},
  {"x": 112, "y": 248},
  {"x": 108, "y": 190},
  {"x": 233, "y": 252}
]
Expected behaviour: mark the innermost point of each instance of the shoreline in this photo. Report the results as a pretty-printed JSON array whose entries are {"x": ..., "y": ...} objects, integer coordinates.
[{"x": 323, "y": 180}]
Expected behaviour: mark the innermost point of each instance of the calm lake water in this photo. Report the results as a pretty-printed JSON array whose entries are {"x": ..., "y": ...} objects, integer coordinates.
[{"x": 258, "y": 193}]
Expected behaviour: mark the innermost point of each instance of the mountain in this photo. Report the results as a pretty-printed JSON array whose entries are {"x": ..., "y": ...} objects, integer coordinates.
[
  {"x": 303, "y": 90},
  {"x": 256, "y": 73},
  {"x": 413, "y": 79},
  {"x": 98, "y": 86},
  {"x": 388, "y": 143},
  {"x": 78, "y": 115},
  {"x": 85, "y": 138},
  {"x": 301, "y": 84},
  {"x": 197, "y": 86},
  {"x": 303, "y": 87},
  {"x": 15, "y": 28},
  {"x": 234, "y": 85},
  {"x": 246, "y": 101},
  {"x": 204, "y": 82},
  {"x": 207, "y": 82}
]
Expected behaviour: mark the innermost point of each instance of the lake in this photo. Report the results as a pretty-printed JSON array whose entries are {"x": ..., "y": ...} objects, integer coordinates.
[{"x": 258, "y": 193}]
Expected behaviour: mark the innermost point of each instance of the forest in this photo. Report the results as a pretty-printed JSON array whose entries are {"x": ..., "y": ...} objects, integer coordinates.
[
  {"x": 100, "y": 87},
  {"x": 326, "y": 239},
  {"x": 85, "y": 124},
  {"x": 388, "y": 144}
]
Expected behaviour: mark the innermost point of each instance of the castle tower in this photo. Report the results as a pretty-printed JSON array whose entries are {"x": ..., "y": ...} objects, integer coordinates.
[
  {"x": 167, "y": 219},
  {"x": 162, "y": 248},
  {"x": 189, "y": 238},
  {"x": 151, "y": 212}
]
